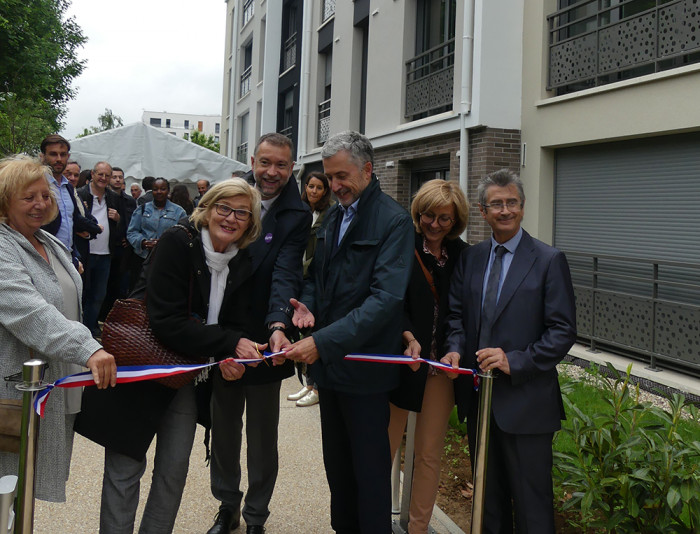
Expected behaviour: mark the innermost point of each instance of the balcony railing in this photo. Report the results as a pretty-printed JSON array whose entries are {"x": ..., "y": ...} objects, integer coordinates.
[
  {"x": 242, "y": 153},
  {"x": 287, "y": 131},
  {"x": 328, "y": 9},
  {"x": 324, "y": 121},
  {"x": 640, "y": 307},
  {"x": 248, "y": 10},
  {"x": 430, "y": 80},
  {"x": 591, "y": 45},
  {"x": 245, "y": 80},
  {"x": 290, "y": 53}
]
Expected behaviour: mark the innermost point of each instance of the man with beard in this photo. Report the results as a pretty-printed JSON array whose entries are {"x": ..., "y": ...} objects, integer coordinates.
[
  {"x": 55, "y": 151},
  {"x": 277, "y": 276}
]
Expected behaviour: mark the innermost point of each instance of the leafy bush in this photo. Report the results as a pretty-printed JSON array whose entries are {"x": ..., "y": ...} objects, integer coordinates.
[{"x": 631, "y": 470}]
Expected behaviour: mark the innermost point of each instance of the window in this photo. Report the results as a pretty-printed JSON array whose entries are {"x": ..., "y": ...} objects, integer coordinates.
[
  {"x": 155, "y": 122},
  {"x": 167, "y": 123},
  {"x": 324, "y": 108},
  {"x": 288, "y": 114},
  {"x": 242, "y": 149},
  {"x": 216, "y": 138},
  {"x": 248, "y": 10},
  {"x": 289, "y": 33},
  {"x": 187, "y": 124},
  {"x": 200, "y": 126},
  {"x": 247, "y": 69},
  {"x": 217, "y": 128}
]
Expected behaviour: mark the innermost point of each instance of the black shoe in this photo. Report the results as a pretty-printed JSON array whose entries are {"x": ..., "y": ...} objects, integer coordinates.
[
  {"x": 255, "y": 529},
  {"x": 224, "y": 522}
]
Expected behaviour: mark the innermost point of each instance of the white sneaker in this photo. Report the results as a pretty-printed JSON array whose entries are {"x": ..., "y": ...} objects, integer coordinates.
[
  {"x": 308, "y": 400},
  {"x": 303, "y": 392}
]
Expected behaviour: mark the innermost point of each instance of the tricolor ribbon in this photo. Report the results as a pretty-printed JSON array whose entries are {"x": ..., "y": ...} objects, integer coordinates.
[
  {"x": 132, "y": 373},
  {"x": 392, "y": 358}
]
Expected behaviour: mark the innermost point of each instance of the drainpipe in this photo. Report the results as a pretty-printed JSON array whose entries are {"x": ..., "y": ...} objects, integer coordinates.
[
  {"x": 233, "y": 85},
  {"x": 304, "y": 87},
  {"x": 466, "y": 93}
]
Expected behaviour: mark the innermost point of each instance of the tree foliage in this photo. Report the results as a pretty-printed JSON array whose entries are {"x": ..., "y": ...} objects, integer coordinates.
[
  {"x": 207, "y": 141},
  {"x": 38, "y": 61},
  {"x": 106, "y": 121}
]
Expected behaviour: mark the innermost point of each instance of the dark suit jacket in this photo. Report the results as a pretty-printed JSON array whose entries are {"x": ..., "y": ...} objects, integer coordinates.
[
  {"x": 277, "y": 273},
  {"x": 356, "y": 289},
  {"x": 534, "y": 324}
]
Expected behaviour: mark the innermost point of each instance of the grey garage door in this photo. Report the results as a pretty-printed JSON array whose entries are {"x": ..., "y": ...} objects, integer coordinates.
[{"x": 640, "y": 201}]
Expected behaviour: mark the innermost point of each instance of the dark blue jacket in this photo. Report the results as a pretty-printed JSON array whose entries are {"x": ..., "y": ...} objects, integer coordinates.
[{"x": 356, "y": 292}]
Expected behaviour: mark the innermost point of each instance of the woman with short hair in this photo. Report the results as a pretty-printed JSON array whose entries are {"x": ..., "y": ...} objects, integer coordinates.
[
  {"x": 439, "y": 211},
  {"x": 40, "y": 312}
]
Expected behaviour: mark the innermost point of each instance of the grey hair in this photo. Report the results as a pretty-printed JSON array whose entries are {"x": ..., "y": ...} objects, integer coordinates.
[
  {"x": 355, "y": 143},
  {"x": 102, "y": 163},
  {"x": 501, "y": 178}
]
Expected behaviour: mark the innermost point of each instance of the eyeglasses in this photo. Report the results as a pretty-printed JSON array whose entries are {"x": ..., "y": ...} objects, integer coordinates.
[
  {"x": 225, "y": 211},
  {"x": 443, "y": 220},
  {"x": 512, "y": 205}
]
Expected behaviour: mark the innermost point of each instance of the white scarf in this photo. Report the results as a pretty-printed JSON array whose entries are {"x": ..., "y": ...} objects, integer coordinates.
[{"x": 218, "y": 267}]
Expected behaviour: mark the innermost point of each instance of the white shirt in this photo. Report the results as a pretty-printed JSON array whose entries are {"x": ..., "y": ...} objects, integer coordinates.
[{"x": 100, "y": 245}]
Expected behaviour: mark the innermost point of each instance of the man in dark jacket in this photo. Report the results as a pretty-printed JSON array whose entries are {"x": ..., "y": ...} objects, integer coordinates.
[
  {"x": 277, "y": 277},
  {"x": 357, "y": 281},
  {"x": 108, "y": 208}
]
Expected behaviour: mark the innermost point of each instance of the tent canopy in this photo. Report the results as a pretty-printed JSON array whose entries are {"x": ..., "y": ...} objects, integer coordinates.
[{"x": 142, "y": 150}]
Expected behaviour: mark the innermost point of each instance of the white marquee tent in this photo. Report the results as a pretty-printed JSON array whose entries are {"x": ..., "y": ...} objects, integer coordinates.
[{"x": 142, "y": 150}]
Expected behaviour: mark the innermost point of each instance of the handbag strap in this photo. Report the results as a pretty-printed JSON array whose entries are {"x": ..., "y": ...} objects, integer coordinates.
[{"x": 428, "y": 276}]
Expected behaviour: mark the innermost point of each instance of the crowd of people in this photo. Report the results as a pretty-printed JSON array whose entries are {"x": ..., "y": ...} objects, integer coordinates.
[{"x": 250, "y": 265}]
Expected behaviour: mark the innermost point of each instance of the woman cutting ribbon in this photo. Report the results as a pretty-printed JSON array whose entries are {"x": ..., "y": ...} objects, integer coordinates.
[{"x": 197, "y": 294}]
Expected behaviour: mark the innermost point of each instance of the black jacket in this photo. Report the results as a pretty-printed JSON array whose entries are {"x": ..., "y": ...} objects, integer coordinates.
[
  {"x": 117, "y": 230},
  {"x": 277, "y": 257},
  {"x": 356, "y": 291},
  {"x": 418, "y": 318},
  {"x": 126, "y": 418}
]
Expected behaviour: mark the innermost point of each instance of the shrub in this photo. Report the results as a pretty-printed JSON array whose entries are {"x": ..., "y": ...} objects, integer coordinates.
[{"x": 630, "y": 470}]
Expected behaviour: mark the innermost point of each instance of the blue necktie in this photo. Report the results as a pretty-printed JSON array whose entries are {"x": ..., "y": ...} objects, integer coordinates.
[{"x": 491, "y": 298}]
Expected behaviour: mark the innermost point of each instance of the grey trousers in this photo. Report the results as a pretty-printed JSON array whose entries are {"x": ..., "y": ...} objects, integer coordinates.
[
  {"x": 261, "y": 404},
  {"x": 122, "y": 474}
]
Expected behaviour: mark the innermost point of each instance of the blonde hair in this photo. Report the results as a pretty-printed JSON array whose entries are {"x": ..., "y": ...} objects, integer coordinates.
[
  {"x": 231, "y": 187},
  {"x": 437, "y": 193},
  {"x": 17, "y": 173}
]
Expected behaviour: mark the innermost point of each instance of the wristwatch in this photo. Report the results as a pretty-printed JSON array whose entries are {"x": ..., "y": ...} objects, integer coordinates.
[{"x": 274, "y": 329}]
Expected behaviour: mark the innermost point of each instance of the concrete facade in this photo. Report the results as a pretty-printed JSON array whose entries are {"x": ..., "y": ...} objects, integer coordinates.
[{"x": 183, "y": 124}]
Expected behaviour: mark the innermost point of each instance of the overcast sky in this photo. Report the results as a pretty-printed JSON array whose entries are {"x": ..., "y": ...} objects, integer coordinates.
[{"x": 156, "y": 55}]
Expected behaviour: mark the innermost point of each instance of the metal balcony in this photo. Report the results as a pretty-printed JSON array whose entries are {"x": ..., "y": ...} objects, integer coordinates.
[
  {"x": 248, "y": 11},
  {"x": 324, "y": 121},
  {"x": 245, "y": 80},
  {"x": 430, "y": 80},
  {"x": 328, "y": 9},
  {"x": 290, "y": 53},
  {"x": 592, "y": 45}
]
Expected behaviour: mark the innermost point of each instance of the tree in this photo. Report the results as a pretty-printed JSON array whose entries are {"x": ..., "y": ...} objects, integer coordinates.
[
  {"x": 207, "y": 141},
  {"x": 107, "y": 121},
  {"x": 38, "y": 61}
]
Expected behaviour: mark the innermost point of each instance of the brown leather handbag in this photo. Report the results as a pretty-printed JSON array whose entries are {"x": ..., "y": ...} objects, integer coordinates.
[
  {"x": 10, "y": 424},
  {"x": 127, "y": 335}
]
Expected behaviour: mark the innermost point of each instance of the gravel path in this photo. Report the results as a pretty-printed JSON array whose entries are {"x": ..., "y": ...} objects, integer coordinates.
[{"x": 300, "y": 502}]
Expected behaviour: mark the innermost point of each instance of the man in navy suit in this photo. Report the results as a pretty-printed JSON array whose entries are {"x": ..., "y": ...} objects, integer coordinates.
[{"x": 518, "y": 323}]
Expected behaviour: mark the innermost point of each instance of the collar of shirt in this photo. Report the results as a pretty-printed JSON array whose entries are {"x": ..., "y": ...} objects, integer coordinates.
[
  {"x": 267, "y": 204},
  {"x": 351, "y": 210},
  {"x": 511, "y": 244},
  {"x": 53, "y": 180}
]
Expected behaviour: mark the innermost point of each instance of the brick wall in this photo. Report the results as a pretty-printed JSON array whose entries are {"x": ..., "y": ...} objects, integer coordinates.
[{"x": 490, "y": 149}]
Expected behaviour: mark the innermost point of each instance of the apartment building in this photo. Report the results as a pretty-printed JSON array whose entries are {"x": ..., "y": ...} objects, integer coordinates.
[
  {"x": 183, "y": 124},
  {"x": 435, "y": 84},
  {"x": 611, "y": 164}
]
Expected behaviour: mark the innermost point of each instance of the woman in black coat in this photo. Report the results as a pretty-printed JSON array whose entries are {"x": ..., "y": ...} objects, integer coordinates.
[
  {"x": 197, "y": 293},
  {"x": 439, "y": 211}
]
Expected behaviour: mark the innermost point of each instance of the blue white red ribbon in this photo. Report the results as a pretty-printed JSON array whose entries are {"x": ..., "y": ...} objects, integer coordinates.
[
  {"x": 392, "y": 358},
  {"x": 132, "y": 373}
]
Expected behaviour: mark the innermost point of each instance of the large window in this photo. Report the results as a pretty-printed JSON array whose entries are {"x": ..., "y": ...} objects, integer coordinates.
[
  {"x": 248, "y": 10},
  {"x": 324, "y": 108},
  {"x": 155, "y": 122},
  {"x": 430, "y": 74},
  {"x": 242, "y": 149},
  {"x": 289, "y": 35},
  {"x": 594, "y": 42}
]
